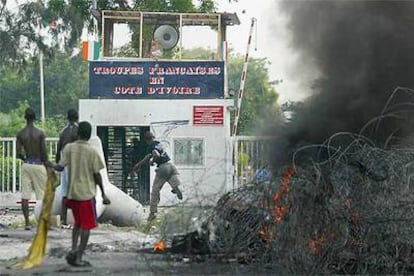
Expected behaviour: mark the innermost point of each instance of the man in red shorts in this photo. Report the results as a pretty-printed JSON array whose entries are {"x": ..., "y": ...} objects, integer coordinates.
[{"x": 84, "y": 164}]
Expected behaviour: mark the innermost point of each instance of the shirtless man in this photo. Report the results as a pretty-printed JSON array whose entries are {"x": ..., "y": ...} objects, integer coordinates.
[
  {"x": 31, "y": 149},
  {"x": 68, "y": 135}
]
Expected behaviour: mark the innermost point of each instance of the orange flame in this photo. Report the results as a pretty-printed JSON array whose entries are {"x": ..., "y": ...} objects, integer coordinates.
[
  {"x": 279, "y": 210},
  {"x": 267, "y": 235},
  {"x": 159, "y": 246}
]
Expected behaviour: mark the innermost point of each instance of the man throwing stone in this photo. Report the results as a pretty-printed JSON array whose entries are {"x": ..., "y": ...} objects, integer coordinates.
[{"x": 165, "y": 172}]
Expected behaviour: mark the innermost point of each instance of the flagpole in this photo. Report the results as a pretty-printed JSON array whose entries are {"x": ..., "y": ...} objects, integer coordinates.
[
  {"x": 42, "y": 88},
  {"x": 95, "y": 21}
]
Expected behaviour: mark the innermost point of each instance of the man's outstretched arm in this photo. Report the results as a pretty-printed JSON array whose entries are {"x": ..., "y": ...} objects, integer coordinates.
[
  {"x": 142, "y": 162},
  {"x": 58, "y": 167}
]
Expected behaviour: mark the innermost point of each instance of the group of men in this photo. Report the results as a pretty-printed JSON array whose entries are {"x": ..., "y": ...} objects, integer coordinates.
[
  {"x": 80, "y": 165},
  {"x": 78, "y": 183}
]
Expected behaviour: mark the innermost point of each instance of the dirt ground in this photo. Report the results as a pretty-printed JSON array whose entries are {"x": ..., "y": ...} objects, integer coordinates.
[{"x": 111, "y": 251}]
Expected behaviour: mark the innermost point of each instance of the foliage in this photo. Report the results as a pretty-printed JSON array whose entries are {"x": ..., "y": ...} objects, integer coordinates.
[
  {"x": 51, "y": 26},
  {"x": 259, "y": 102},
  {"x": 13, "y": 121},
  {"x": 65, "y": 81}
]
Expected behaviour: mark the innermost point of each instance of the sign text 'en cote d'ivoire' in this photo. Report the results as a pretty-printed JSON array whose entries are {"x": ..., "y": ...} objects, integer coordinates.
[{"x": 156, "y": 79}]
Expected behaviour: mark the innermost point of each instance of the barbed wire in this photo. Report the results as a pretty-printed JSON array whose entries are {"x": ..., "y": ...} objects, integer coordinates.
[{"x": 347, "y": 210}]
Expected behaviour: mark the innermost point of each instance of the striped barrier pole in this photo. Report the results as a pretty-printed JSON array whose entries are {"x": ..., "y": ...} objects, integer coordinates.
[{"x": 242, "y": 79}]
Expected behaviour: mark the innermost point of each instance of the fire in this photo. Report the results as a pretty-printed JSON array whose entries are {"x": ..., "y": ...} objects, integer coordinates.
[
  {"x": 279, "y": 210},
  {"x": 159, "y": 246},
  {"x": 277, "y": 207},
  {"x": 266, "y": 233}
]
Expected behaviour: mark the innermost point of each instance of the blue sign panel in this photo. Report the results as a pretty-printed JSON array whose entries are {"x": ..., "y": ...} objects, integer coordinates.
[{"x": 156, "y": 79}]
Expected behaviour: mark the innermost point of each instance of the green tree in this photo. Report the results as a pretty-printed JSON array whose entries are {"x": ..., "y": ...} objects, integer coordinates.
[
  {"x": 259, "y": 102},
  {"x": 13, "y": 83},
  {"x": 65, "y": 82},
  {"x": 13, "y": 121},
  {"x": 50, "y": 26}
]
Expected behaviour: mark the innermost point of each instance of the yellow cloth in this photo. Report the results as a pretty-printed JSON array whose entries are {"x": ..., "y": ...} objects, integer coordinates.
[{"x": 38, "y": 248}]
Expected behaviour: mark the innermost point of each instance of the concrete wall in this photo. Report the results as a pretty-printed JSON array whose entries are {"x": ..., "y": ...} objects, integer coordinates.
[{"x": 169, "y": 119}]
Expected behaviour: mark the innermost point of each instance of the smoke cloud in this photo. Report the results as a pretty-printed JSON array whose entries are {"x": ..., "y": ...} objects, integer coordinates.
[{"x": 363, "y": 51}]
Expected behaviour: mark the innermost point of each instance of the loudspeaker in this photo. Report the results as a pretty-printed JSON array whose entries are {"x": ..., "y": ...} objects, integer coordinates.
[{"x": 166, "y": 36}]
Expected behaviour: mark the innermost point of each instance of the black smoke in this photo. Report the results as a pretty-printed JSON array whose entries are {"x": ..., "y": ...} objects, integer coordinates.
[{"x": 363, "y": 50}]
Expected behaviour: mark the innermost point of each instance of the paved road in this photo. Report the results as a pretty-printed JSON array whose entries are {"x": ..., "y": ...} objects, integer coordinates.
[{"x": 112, "y": 251}]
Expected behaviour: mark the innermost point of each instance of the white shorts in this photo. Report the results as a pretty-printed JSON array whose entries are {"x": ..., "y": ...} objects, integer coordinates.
[{"x": 34, "y": 178}]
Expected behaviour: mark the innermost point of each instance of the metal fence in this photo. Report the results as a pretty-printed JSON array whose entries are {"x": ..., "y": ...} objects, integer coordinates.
[
  {"x": 250, "y": 154},
  {"x": 10, "y": 166}
]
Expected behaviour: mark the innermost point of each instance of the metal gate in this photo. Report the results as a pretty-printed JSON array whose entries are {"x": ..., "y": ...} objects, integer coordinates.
[
  {"x": 123, "y": 148},
  {"x": 251, "y": 153}
]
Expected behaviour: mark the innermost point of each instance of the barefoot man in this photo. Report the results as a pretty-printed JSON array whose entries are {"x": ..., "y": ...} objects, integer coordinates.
[
  {"x": 84, "y": 164},
  {"x": 31, "y": 149}
]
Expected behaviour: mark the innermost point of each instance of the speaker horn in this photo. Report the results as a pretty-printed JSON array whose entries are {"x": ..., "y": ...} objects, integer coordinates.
[{"x": 166, "y": 36}]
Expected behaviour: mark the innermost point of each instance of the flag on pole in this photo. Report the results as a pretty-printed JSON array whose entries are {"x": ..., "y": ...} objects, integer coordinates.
[{"x": 90, "y": 50}]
